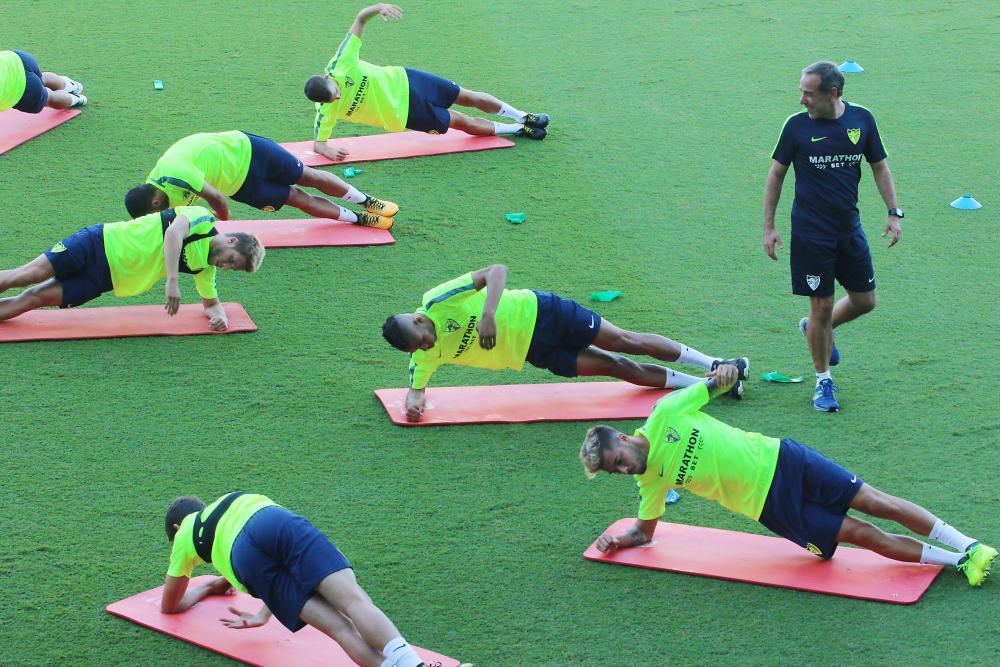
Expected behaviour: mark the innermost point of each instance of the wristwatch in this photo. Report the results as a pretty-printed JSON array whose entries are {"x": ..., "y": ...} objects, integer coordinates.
[{"x": 898, "y": 212}]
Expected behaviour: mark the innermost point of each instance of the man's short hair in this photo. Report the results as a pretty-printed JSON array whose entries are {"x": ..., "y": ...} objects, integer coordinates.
[
  {"x": 317, "y": 90},
  {"x": 393, "y": 333},
  {"x": 251, "y": 248},
  {"x": 830, "y": 75},
  {"x": 139, "y": 200},
  {"x": 597, "y": 440},
  {"x": 179, "y": 509}
]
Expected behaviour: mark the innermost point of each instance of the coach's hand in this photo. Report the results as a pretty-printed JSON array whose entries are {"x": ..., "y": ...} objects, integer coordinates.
[
  {"x": 892, "y": 225},
  {"x": 771, "y": 239},
  {"x": 173, "y": 296},
  {"x": 487, "y": 330}
]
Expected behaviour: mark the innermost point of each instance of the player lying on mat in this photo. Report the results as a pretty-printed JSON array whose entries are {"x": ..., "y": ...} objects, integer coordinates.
[
  {"x": 25, "y": 87},
  {"x": 129, "y": 258},
  {"x": 788, "y": 487},
  {"x": 400, "y": 98},
  {"x": 473, "y": 321},
  {"x": 263, "y": 549},
  {"x": 252, "y": 170}
]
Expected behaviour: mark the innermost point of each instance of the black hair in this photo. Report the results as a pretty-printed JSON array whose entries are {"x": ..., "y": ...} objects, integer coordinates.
[
  {"x": 316, "y": 89},
  {"x": 139, "y": 200},
  {"x": 829, "y": 75},
  {"x": 179, "y": 509},
  {"x": 393, "y": 333}
]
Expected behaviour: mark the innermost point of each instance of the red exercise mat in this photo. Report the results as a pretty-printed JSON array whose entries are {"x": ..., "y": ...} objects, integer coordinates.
[
  {"x": 17, "y": 127},
  {"x": 395, "y": 145},
  {"x": 118, "y": 322},
  {"x": 772, "y": 561},
  {"x": 522, "y": 403},
  {"x": 307, "y": 233},
  {"x": 270, "y": 645}
]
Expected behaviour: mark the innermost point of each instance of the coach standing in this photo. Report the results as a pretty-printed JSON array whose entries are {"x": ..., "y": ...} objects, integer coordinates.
[{"x": 826, "y": 143}]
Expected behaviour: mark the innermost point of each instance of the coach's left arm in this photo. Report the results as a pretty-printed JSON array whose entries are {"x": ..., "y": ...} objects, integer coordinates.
[{"x": 887, "y": 188}]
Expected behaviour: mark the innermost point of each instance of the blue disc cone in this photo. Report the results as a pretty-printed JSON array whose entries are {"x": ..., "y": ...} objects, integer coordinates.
[
  {"x": 966, "y": 203},
  {"x": 851, "y": 66}
]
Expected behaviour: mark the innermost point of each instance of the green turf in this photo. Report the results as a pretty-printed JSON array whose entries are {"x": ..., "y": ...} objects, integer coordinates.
[{"x": 650, "y": 182}]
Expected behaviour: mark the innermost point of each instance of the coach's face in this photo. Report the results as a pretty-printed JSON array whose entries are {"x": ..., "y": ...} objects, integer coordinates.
[{"x": 818, "y": 104}]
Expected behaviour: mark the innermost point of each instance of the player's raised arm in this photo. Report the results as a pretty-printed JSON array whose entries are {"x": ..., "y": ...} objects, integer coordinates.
[
  {"x": 383, "y": 9},
  {"x": 494, "y": 279}
]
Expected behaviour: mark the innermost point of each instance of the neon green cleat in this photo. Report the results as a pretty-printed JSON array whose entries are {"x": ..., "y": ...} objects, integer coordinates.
[
  {"x": 380, "y": 207},
  {"x": 976, "y": 565}
]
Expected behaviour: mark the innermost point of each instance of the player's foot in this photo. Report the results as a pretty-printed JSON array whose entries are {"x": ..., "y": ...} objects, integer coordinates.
[
  {"x": 366, "y": 219},
  {"x": 536, "y": 120},
  {"x": 78, "y": 101},
  {"x": 743, "y": 365},
  {"x": 823, "y": 398},
  {"x": 538, "y": 133},
  {"x": 977, "y": 562},
  {"x": 72, "y": 87},
  {"x": 834, "y": 352},
  {"x": 381, "y": 207}
]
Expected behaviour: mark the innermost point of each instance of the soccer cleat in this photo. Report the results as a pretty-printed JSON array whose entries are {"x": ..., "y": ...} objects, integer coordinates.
[
  {"x": 536, "y": 120},
  {"x": 366, "y": 219},
  {"x": 538, "y": 133},
  {"x": 72, "y": 87},
  {"x": 977, "y": 562},
  {"x": 834, "y": 352},
  {"x": 823, "y": 398},
  {"x": 79, "y": 101},
  {"x": 381, "y": 207},
  {"x": 743, "y": 365}
]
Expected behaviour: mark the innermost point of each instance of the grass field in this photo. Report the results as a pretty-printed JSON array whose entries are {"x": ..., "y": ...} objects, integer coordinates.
[{"x": 663, "y": 117}]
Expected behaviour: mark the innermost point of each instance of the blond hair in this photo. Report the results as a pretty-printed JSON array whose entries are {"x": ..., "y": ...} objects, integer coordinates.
[
  {"x": 598, "y": 438},
  {"x": 251, "y": 248}
]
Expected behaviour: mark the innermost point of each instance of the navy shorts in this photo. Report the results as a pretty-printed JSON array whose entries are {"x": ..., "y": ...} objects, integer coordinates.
[
  {"x": 562, "y": 329},
  {"x": 272, "y": 171},
  {"x": 815, "y": 263},
  {"x": 281, "y": 558},
  {"x": 430, "y": 97},
  {"x": 809, "y": 497},
  {"x": 35, "y": 93},
  {"x": 81, "y": 266}
]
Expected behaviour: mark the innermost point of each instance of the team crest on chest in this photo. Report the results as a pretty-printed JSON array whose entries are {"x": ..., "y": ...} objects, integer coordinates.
[
  {"x": 672, "y": 435},
  {"x": 348, "y": 82},
  {"x": 812, "y": 281},
  {"x": 452, "y": 326},
  {"x": 854, "y": 134}
]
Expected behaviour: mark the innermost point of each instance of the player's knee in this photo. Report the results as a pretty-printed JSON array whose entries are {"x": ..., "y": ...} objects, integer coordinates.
[{"x": 866, "y": 304}]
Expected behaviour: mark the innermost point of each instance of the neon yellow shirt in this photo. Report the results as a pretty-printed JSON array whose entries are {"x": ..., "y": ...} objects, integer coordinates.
[
  {"x": 221, "y": 159},
  {"x": 184, "y": 558},
  {"x": 135, "y": 251},
  {"x": 369, "y": 94},
  {"x": 12, "y": 80},
  {"x": 689, "y": 449},
  {"x": 455, "y": 308}
]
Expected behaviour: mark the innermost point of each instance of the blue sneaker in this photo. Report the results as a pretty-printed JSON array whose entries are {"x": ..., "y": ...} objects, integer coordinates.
[
  {"x": 823, "y": 398},
  {"x": 834, "y": 352}
]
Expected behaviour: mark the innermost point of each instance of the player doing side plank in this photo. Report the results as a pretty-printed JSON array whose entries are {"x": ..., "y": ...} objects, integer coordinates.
[
  {"x": 262, "y": 549},
  {"x": 252, "y": 170},
  {"x": 26, "y": 88},
  {"x": 129, "y": 258},
  {"x": 791, "y": 489},
  {"x": 400, "y": 98},
  {"x": 474, "y": 321}
]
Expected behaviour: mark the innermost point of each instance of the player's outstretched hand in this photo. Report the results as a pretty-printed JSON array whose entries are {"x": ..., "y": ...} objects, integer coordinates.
[
  {"x": 892, "y": 225},
  {"x": 608, "y": 543},
  {"x": 243, "y": 620},
  {"x": 387, "y": 11},
  {"x": 173, "y": 293},
  {"x": 771, "y": 239}
]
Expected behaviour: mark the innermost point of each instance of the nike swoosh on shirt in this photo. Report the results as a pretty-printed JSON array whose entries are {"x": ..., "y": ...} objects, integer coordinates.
[
  {"x": 815, "y": 139},
  {"x": 872, "y": 279},
  {"x": 854, "y": 479},
  {"x": 661, "y": 471}
]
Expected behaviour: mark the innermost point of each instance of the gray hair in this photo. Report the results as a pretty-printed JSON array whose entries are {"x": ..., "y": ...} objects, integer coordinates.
[
  {"x": 829, "y": 75},
  {"x": 595, "y": 442}
]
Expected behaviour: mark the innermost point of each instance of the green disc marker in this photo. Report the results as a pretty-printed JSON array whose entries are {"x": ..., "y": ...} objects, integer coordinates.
[
  {"x": 351, "y": 172},
  {"x": 157, "y": 84},
  {"x": 775, "y": 376},
  {"x": 516, "y": 218},
  {"x": 609, "y": 295}
]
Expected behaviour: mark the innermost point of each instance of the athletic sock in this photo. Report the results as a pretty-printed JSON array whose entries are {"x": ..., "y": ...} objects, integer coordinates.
[
  {"x": 945, "y": 534},
  {"x": 510, "y": 112},
  {"x": 938, "y": 556},
  {"x": 825, "y": 375},
  {"x": 677, "y": 380},
  {"x": 506, "y": 128},
  {"x": 347, "y": 215},
  {"x": 401, "y": 654},
  {"x": 354, "y": 195},
  {"x": 694, "y": 358}
]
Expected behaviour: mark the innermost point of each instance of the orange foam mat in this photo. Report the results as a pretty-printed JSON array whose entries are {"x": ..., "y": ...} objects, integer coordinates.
[
  {"x": 772, "y": 561},
  {"x": 396, "y": 145},
  {"x": 307, "y": 233},
  {"x": 17, "y": 127},
  {"x": 522, "y": 403},
  {"x": 270, "y": 645},
  {"x": 119, "y": 322}
]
